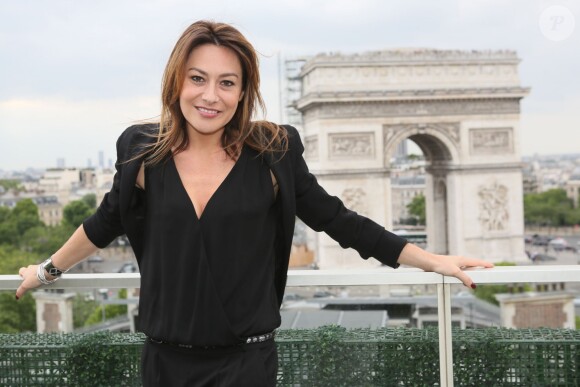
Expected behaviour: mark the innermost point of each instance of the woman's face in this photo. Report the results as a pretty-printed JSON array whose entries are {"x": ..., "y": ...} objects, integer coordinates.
[{"x": 211, "y": 89}]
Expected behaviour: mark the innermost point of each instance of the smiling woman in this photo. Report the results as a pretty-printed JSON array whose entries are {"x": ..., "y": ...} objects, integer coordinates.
[
  {"x": 209, "y": 99},
  {"x": 211, "y": 90},
  {"x": 208, "y": 199}
]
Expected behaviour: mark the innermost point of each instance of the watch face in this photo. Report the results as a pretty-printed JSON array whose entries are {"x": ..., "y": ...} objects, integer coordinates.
[
  {"x": 50, "y": 269},
  {"x": 54, "y": 272}
]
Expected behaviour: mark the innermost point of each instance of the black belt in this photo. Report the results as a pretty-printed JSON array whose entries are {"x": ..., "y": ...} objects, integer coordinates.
[
  {"x": 248, "y": 340},
  {"x": 260, "y": 338}
]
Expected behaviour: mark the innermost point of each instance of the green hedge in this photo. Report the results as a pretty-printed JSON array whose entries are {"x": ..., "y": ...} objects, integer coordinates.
[
  {"x": 96, "y": 359},
  {"x": 327, "y": 356}
]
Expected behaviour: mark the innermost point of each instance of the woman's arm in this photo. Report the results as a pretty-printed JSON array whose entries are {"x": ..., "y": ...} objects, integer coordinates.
[
  {"x": 323, "y": 212},
  {"x": 77, "y": 248},
  {"x": 104, "y": 225},
  {"x": 450, "y": 265}
]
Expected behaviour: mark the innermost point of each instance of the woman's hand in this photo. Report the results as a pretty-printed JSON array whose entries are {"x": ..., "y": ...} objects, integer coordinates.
[
  {"x": 29, "y": 280},
  {"x": 453, "y": 265},
  {"x": 450, "y": 265},
  {"x": 77, "y": 248}
]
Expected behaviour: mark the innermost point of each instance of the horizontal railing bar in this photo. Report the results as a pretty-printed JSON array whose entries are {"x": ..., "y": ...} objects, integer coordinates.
[
  {"x": 522, "y": 274},
  {"x": 81, "y": 281},
  {"x": 353, "y": 277}
]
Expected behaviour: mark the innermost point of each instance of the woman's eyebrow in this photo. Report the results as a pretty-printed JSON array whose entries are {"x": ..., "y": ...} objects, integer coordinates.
[{"x": 205, "y": 72}]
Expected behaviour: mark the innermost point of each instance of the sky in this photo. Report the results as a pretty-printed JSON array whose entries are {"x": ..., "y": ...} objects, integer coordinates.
[{"x": 75, "y": 73}]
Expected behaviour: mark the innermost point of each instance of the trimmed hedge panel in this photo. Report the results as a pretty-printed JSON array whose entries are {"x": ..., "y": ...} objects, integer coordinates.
[{"x": 327, "y": 356}]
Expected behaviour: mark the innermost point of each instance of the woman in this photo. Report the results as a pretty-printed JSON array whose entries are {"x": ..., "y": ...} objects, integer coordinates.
[{"x": 208, "y": 199}]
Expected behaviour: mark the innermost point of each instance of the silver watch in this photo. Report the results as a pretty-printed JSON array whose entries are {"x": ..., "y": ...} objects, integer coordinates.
[{"x": 51, "y": 269}]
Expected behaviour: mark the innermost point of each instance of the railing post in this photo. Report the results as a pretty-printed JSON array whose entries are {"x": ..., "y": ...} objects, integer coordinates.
[{"x": 445, "y": 339}]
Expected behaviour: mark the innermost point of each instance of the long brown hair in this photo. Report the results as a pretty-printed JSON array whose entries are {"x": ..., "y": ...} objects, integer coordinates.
[{"x": 263, "y": 136}]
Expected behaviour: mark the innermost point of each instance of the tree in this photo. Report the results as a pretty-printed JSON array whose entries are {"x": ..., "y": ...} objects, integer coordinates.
[
  {"x": 10, "y": 184},
  {"x": 82, "y": 309},
  {"x": 573, "y": 216},
  {"x": 417, "y": 208},
  {"x": 12, "y": 259},
  {"x": 16, "y": 316},
  {"x": 44, "y": 240},
  {"x": 111, "y": 310},
  {"x": 90, "y": 200},
  {"x": 552, "y": 208},
  {"x": 8, "y": 231},
  {"x": 4, "y": 214},
  {"x": 24, "y": 216},
  {"x": 75, "y": 213}
]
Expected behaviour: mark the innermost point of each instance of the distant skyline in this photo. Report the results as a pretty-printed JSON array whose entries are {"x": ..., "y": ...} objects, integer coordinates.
[{"x": 75, "y": 74}]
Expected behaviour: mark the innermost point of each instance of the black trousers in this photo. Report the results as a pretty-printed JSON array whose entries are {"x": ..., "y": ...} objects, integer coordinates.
[{"x": 253, "y": 365}]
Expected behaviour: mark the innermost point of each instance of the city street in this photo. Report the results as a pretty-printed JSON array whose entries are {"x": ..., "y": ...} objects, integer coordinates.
[
  {"x": 560, "y": 257},
  {"x": 108, "y": 265}
]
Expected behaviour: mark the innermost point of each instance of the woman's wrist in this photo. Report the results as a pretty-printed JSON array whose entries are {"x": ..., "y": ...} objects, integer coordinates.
[
  {"x": 44, "y": 276},
  {"x": 413, "y": 255},
  {"x": 47, "y": 272}
]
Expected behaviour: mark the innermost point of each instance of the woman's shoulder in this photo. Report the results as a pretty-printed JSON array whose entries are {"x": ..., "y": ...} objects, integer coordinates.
[
  {"x": 290, "y": 129},
  {"x": 294, "y": 140},
  {"x": 136, "y": 139},
  {"x": 140, "y": 131},
  {"x": 138, "y": 134}
]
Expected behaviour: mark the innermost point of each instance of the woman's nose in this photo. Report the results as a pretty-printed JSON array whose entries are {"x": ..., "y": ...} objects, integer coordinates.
[{"x": 210, "y": 94}]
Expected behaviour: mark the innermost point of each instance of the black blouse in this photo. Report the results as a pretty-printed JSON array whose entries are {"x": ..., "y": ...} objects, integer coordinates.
[
  {"x": 123, "y": 212},
  {"x": 209, "y": 280}
]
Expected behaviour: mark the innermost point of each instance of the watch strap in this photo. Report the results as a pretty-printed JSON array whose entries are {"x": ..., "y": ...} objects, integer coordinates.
[{"x": 51, "y": 269}]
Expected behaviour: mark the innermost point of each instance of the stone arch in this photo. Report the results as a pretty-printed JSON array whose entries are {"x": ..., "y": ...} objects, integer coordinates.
[
  {"x": 439, "y": 144},
  {"x": 460, "y": 107}
]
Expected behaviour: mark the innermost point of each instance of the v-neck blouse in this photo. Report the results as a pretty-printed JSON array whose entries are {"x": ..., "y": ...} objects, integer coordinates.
[
  {"x": 209, "y": 280},
  {"x": 199, "y": 216}
]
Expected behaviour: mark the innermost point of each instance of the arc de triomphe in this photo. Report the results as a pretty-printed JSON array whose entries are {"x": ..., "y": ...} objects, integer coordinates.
[{"x": 460, "y": 107}]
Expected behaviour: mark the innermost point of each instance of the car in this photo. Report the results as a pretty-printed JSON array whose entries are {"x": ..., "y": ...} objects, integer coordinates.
[
  {"x": 128, "y": 267},
  {"x": 322, "y": 294},
  {"x": 558, "y": 244},
  {"x": 95, "y": 259},
  {"x": 542, "y": 257},
  {"x": 292, "y": 297},
  {"x": 541, "y": 240}
]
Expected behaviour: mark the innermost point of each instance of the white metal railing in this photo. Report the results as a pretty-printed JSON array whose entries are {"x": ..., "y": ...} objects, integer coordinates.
[{"x": 381, "y": 276}]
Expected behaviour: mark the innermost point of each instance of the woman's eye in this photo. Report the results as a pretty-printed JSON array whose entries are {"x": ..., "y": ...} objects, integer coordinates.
[
  {"x": 196, "y": 79},
  {"x": 227, "y": 83}
]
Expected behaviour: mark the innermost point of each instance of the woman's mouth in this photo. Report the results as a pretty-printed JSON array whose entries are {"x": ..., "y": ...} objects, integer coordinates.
[{"x": 207, "y": 112}]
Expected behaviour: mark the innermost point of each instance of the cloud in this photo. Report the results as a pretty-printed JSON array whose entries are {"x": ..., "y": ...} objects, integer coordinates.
[
  {"x": 552, "y": 130},
  {"x": 79, "y": 67},
  {"x": 35, "y": 132}
]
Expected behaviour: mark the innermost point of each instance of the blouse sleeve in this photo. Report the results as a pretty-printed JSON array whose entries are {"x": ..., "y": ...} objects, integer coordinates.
[
  {"x": 323, "y": 212},
  {"x": 105, "y": 224}
]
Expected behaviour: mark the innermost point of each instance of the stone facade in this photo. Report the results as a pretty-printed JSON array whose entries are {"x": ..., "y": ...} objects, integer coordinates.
[
  {"x": 54, "y": 312},
  {"x": 460, "y": 107},
  {"x": 537, "y": 310},
  {"x": 573, "y": 190}
]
